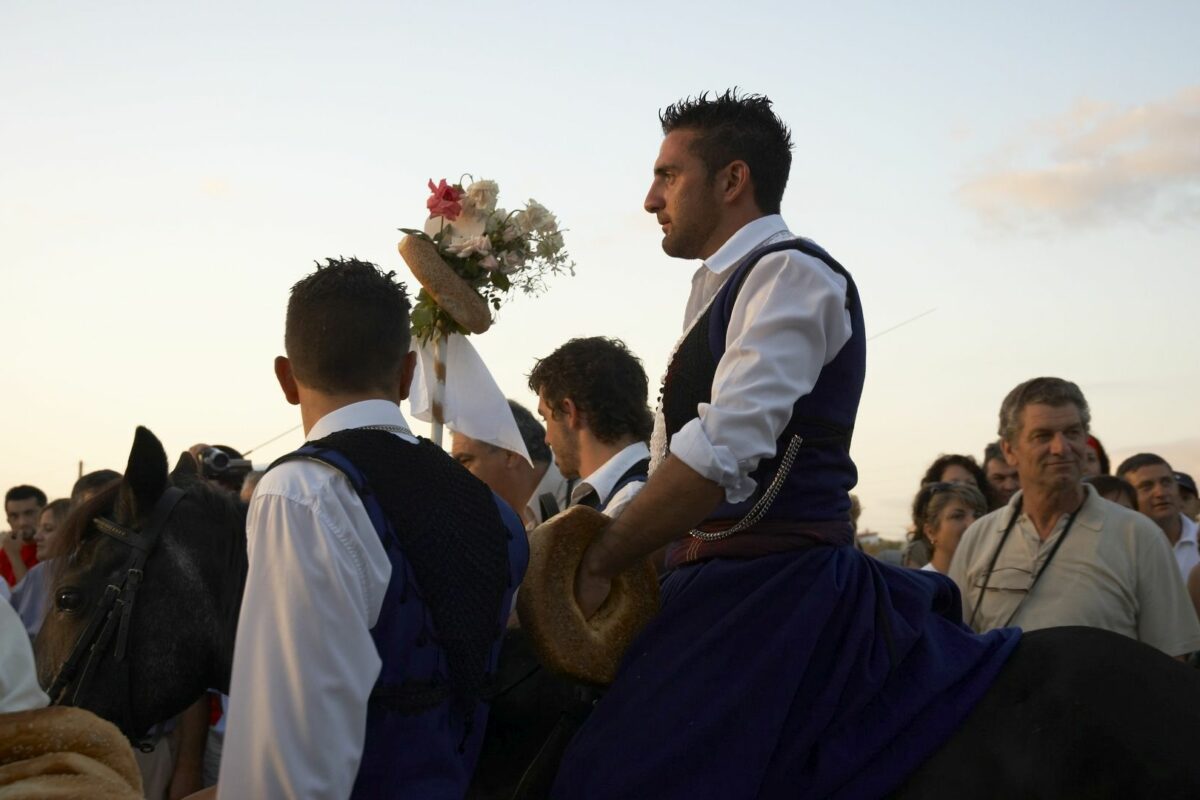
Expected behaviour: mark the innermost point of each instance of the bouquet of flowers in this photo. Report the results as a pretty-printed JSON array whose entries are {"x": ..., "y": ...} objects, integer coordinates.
[{"x": 492, "y": 251}]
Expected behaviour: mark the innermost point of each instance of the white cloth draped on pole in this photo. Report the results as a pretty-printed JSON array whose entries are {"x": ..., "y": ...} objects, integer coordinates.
[{"x": 474, "y": 405}]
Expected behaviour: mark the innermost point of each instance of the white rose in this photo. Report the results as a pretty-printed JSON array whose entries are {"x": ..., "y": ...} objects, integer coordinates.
[
  {"x": 468, "y": 247},
  {"x": 537, "y": 218},
  {"x": 482, "y": 195},
  {"x": 512, "y": 229},
  {"x": 550, "y": 245}
]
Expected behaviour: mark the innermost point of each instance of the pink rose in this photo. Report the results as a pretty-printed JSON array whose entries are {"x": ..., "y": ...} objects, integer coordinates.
[{"x": 445, "y": 201}]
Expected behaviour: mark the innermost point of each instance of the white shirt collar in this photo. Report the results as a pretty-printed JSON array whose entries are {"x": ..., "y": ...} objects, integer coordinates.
[
  {"x": 552, "y": 482},
  {"x": 357, "y": 415},
  {"x": 1188, "y": 533},
  {"x": 748, "y": 237},
  {"x": 605, "y": 478}
]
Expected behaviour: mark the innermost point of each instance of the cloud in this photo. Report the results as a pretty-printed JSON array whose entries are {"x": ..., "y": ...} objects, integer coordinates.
[{"x": 1096, "y": 164}]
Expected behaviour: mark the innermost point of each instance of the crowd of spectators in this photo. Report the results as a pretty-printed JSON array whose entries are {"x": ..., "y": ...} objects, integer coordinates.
[{"x": 1042, "y": 535}]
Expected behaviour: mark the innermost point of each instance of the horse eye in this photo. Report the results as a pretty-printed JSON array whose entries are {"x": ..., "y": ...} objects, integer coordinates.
[{"x": 68, "y": 600}]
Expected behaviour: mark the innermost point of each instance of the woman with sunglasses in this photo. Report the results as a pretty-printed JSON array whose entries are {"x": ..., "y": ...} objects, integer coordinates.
[{"x": 941, "y": 512}]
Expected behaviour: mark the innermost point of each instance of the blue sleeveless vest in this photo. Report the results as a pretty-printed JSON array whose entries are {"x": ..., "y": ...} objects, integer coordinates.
[
  {"x": 429, "y": 753},
  {"x": 817, "y": 487}
]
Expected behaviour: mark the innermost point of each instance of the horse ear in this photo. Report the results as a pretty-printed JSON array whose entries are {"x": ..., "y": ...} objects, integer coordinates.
[
  {"x": 145, "y": 476},
  {"x": 185, "y": 467}
]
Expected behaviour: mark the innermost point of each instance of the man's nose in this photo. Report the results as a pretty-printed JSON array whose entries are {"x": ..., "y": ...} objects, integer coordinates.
[
  {"x": 1060, "y": 443},
  {"x": 653, "y": 202}
]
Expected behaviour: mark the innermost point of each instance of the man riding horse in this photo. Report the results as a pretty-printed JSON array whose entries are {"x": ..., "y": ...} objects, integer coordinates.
[{"x": 783, "y": 663}]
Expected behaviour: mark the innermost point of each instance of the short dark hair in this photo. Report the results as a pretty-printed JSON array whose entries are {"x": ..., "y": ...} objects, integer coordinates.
[
  {"x": 347, "y": 327},
  {"x": 1044, "y": 391},
  {"x": 532, "y": 433},
  {"x": 731, "y": 127},
  {"x": 24, "y": 492},
  {"x": 1107, "y": 484},
  {"x": 1136, "y": 462},
  {"x": 993, "y": 452},
  {"x": 93, "y": 481},
  {"x": 604, "y": 380}
]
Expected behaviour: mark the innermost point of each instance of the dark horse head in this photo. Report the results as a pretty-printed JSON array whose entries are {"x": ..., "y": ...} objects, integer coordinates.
[{"x": 183, "y": 614}]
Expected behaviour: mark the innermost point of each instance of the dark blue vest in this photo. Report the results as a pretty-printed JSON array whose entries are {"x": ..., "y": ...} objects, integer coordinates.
[
  {"x": 635, "y": 474},
  {"x": 428, "y": 753},
  {"x": 817, "y": 487}
]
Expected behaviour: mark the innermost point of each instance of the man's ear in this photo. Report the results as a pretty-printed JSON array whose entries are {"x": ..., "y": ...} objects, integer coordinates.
[
  {"x": 1009, "y": 455},
  {"x": 571, "y": 414},
  {"x": 287, "y": 380},
  {"x": 735, "y": 182},
  {"x": 408, "y": 368}
]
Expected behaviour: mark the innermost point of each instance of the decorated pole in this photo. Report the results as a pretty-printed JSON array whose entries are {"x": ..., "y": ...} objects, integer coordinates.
[
  {"x": 441, "y": 352},
  {"x": 469, "y": 255}
]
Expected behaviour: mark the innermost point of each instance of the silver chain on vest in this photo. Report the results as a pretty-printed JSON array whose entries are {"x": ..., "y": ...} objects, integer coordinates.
[
  {"x": 764, "y": 503},
  {"x": 389, "y": 429}
]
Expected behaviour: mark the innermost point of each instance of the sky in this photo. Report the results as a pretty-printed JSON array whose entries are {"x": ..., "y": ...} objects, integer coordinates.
[{"x": 1026, "y": 173}]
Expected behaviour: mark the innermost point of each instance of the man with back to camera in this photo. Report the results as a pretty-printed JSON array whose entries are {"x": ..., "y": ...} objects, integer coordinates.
[
  {"x": 347, "y": 681},
  {"x": 1059, "y": 554},
  {"x": 1160, "y": 499},
  {"x": 592, "y": 395},
  {"x": 738, "y": 687}
]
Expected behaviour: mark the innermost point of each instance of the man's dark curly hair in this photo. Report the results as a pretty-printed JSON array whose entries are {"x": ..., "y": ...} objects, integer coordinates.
[
  {"x": 347, "y": 327},
  {"x": 604, "y": 380},
  {"x": 732, "y": 127}
]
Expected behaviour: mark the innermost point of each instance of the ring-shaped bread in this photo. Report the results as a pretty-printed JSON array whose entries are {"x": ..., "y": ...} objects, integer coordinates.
[
  {"x": 454, "y": 295},
  {"x": 585, "y": 649}
]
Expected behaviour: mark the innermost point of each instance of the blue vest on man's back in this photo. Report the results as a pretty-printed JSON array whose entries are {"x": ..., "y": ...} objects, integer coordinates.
[
  {"x": 420, "y": 742},
  {"x": 816, "y": 488}
]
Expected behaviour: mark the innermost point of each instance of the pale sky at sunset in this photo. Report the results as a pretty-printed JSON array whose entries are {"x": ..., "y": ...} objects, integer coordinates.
[{"x": 1029, "y": 170}]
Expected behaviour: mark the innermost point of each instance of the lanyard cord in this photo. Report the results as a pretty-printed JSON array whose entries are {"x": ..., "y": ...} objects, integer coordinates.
[{"x": 1012, "y": 520}]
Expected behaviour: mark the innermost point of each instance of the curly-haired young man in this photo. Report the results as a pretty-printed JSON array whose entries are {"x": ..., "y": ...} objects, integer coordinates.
[{"x": 592, "y": 395}]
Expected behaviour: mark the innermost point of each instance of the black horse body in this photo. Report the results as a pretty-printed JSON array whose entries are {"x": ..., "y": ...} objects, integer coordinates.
[{"x": 1076, "y": 712}]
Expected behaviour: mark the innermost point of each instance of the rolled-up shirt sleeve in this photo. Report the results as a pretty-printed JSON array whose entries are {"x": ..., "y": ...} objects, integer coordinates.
[{"x": 789, "y": 321}]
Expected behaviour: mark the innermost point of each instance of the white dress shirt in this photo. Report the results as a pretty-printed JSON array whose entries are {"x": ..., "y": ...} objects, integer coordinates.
[
  {"x": 19, "y": 689},
  {"x": 605, "y": 478},
  {"x": 304, "y": 662},
  {"x": 1187, "y": 549},
  {"x": 788, "y": 322}
]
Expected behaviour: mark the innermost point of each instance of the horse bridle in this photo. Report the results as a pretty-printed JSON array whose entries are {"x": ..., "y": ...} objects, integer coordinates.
[{"x": 115, "y": 610}]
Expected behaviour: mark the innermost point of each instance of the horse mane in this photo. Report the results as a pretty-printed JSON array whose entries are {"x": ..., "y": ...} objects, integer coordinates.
[{"x": 75, "y": 527}]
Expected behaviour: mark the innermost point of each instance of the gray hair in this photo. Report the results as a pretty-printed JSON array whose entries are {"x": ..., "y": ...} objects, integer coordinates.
[
  {"x": 1044, "y": 391},
  {"x": 532, "y": 433}
]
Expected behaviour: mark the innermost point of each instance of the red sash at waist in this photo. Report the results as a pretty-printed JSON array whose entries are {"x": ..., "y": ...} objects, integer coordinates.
[{"x": 761, "y": 539}]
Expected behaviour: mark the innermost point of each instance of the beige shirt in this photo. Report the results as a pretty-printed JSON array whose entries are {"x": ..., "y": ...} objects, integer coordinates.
[{"x": 1115, "y": 570}]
